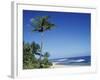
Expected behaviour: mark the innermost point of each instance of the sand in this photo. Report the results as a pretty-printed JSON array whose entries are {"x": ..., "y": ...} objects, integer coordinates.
[{"x": 55, "y": 65}]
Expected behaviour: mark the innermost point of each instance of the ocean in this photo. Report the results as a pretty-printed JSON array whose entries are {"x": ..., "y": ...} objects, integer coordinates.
[{"x": 73, "y": 61}]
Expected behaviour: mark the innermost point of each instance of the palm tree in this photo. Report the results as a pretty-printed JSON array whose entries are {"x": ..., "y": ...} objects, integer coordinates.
[{"x": 41, "y": 24}]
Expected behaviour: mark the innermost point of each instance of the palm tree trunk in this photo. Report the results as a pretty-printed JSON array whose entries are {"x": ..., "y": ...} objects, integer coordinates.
[
  {"x": 41, "y": 48},
  {"x": 41, "y": 44}
]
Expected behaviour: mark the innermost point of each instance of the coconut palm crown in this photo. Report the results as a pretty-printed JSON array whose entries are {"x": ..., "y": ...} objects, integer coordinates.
[{"x": 41, "y": 24}]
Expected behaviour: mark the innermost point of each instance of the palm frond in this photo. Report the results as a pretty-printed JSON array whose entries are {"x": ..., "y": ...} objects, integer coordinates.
[{"x": 41, "y": 24}]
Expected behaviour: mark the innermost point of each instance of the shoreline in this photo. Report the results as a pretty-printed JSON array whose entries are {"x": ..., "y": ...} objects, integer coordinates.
[{"x": 56, "y": 65}]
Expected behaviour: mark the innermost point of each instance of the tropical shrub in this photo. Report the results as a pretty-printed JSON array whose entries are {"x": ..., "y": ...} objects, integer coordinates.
[{"x": 30, "y": 59}]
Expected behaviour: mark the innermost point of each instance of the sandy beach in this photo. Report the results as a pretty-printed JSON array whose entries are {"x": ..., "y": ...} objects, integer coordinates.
[{"x": 55, "y": 65}]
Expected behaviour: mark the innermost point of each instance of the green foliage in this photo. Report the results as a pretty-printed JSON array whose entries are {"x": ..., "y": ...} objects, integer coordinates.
[
  {"x": 30, "y": 61},
  {"x": 41, "y": 23},
  {"x": 45, "y": 63}
]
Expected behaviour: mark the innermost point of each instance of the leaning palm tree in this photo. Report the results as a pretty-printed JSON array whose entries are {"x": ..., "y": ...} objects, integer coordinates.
[{"x": 41, "y": 24}]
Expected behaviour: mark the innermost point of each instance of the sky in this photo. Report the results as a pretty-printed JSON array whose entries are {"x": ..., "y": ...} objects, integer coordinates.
[{"x": 71, "y": 36}]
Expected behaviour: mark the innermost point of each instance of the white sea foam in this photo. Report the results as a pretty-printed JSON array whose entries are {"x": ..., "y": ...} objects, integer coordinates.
[
  {"x": 61, "y": 60},
  {"x": 79, "y": 60}
]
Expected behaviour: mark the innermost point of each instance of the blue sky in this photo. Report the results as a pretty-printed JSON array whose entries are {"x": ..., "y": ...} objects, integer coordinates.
[{"x": 70, "y": 37}]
